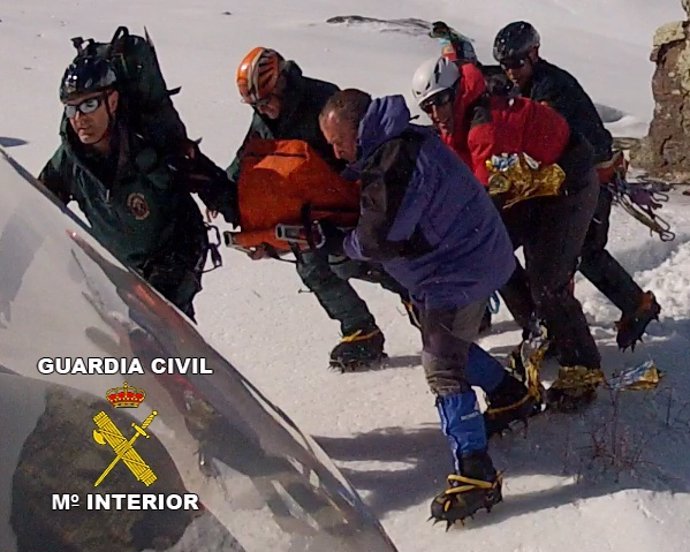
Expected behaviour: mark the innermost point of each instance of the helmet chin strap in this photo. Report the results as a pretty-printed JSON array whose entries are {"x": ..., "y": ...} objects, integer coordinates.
[
  {"x": 111, "y": 114},
  {"x": 107, "y": 134}
]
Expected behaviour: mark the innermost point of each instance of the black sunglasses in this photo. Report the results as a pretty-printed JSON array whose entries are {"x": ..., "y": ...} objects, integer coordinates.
[
  {"x": 85, "y": 108},
  {"x": 263, "y": 102},
  {"x": 516, "y": 63},
  {"x": 439, "y": 99}
]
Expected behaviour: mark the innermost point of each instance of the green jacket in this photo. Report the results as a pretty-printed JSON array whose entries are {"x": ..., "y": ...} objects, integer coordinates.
[
  {"x": 299, "y": 119},
  {"x": 131, "y": 200}
]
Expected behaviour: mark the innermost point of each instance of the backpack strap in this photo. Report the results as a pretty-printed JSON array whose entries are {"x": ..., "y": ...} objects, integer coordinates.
[
  {"x": 117, "y": 43},
  {"x": 78, "y": 43}
]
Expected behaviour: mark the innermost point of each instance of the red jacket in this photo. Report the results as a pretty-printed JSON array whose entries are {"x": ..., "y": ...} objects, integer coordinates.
[{"x": 484, "y": 126}]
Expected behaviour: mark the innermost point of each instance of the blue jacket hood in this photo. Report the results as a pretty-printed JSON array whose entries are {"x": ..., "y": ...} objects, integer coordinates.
[{"x": 385, "y": 119}]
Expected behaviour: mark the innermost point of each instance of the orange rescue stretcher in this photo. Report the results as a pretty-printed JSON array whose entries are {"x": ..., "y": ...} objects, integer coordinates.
[{"x": 283, "y": 187}]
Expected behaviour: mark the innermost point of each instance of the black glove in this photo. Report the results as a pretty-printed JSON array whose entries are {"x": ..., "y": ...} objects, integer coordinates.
[
  {"x": 327, "y": 237},
  {"x": 198, "y": 174}
]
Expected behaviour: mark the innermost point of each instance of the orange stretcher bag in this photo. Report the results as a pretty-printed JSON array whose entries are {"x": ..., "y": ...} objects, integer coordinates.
[{"x": 285, "y": 182}]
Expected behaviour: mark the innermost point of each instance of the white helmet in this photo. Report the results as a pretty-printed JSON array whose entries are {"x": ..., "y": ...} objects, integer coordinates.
[{"x": 434, "y": 76}]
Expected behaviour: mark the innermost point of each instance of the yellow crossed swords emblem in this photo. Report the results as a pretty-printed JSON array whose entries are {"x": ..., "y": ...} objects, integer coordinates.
[{"x": 108, "y": 432}]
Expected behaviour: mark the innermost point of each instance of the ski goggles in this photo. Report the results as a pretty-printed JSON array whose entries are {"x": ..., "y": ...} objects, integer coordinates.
[
  {"x": 437, "y": 100},
  {"x": 85, "y": 107},
  {"x": 513, "y": 63}
]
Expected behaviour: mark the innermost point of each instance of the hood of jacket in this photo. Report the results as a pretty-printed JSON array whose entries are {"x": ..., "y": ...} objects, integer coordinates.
[{"x": 386, "y": 118}]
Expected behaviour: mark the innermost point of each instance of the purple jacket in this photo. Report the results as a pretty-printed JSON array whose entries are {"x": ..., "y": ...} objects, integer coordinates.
[{"x": 423, "y": 215}]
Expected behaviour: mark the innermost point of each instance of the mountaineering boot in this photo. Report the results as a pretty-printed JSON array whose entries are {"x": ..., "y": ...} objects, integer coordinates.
[
  {"x": 359, "y": 349},
  {"x": 513, "y": 401},
  {"x": 575, "y": 386},
  {"x": 475, "y": 486},
  {"x": 474, "y": 483},
  {"x": 632, "y": 326}
]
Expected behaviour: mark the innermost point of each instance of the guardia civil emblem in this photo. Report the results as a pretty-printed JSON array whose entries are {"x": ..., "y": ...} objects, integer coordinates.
[
  {"x": 107, "y": 433},
  {"x": 138, "y": 206}
]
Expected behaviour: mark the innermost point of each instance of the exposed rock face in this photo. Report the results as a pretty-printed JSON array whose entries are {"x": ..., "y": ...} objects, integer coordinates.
[{"x": 665, "y": 151}]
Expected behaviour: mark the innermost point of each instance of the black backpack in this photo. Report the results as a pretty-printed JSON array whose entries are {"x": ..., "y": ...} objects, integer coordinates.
[{"x": 145, "y": 98}]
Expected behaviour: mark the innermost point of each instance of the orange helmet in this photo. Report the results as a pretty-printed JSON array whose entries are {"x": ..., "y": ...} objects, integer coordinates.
[{"x": 258, "y": 73}]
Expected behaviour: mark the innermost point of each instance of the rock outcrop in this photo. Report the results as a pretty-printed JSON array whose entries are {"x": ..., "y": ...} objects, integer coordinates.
[{"x": 665, "y": 151}]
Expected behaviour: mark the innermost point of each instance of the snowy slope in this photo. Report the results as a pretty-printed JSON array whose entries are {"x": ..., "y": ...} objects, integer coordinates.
[{"x": 380, "y": 427}]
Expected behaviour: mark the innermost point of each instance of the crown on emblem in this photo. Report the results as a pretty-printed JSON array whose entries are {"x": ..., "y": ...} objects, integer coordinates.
[{"x": 125, "y": 396}]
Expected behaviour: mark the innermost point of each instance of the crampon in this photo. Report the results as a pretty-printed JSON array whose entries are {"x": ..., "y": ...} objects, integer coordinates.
[
  {"x": 641, "y": 200},
  {"x": 575, "y": 387},
  {"x": 463, "y": 498},
  {"x": 361, "y": 350},
  {"x": 630, "y": 328},
  {"x": 358, "y": 365}
]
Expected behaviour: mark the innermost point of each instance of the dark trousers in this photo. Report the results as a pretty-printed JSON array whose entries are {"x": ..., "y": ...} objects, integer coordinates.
[
  {"x": 600, "y": 268},
  {"x": 552, "y": 232},
  {"x": 328, "y": 280},
  {"x": 177, "y": 282},
  {"x": 517, "y": 297},
  {"x": 446, "y": 337},
  {"x": 596, "y": 264},
  {"x": 346, "y": 269}
]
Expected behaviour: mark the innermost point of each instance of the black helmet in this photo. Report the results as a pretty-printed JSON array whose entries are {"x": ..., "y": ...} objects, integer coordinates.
[
  {"x": 87, "y": 74},
  {"x": 515, "y": 40}
]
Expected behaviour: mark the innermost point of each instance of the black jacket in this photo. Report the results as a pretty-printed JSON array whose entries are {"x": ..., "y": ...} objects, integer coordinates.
[
  {"x": 134, "y": 203},
  {"x": 560, "y": 90}
]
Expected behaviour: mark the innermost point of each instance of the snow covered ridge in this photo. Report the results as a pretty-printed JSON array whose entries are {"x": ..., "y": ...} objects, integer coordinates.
[
  {"x": 412, "y": 26},
  {"x": 563, "y": 491}
]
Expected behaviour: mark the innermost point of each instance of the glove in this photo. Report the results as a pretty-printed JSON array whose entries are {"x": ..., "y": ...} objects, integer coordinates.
[{"x": 327, "y": 237}]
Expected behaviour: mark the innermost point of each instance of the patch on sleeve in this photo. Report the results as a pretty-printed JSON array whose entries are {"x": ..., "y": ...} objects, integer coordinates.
[{"x": 136, "y": 202}]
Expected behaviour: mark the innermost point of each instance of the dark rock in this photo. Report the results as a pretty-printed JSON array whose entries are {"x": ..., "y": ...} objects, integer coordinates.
[
  {"x": 665, "y": 151},
  {"x": 409, "y": 25}
]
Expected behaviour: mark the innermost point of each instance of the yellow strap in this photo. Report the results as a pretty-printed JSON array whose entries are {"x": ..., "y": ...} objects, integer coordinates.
[
  {"x": 533, "y": 382},
  {"x": 409, "y": 306},
  {"x": 358, "y": 336},
  {"x": 470, "y": 484},
  {"x": 533, "y": 379},
  {"x": 500, "y": 410}
]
